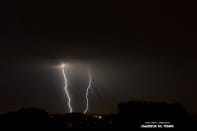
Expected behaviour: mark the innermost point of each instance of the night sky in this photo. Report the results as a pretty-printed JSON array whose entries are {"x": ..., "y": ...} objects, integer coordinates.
[{"x": 140, "y": 50}]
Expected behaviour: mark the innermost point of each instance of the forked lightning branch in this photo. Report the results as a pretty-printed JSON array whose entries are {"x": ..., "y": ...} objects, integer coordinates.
[{"x": 65, "y": 67}]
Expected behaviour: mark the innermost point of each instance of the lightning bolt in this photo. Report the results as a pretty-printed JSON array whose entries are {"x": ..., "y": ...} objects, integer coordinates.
[
  {"x": 66, "y": 88},
  {"x": 87, "y": 91}
]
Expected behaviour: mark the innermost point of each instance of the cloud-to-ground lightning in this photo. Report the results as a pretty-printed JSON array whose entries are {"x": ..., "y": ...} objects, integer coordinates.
[
  {"x": 87, "y": 91},
  {"x": 66, "y": 88},
  {"x": 63, "y": 67}
]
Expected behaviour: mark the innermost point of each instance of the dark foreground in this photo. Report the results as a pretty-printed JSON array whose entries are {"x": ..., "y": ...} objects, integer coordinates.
[{"x": 132, "y": 115}]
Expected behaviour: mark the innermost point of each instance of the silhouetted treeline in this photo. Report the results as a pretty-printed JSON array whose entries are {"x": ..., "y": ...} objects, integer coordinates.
[
  {"x": 134, "y": 114},
  {"x": 25, "y": 118}
]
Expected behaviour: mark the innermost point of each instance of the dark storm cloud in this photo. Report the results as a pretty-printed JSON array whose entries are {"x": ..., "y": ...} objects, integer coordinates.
[{"x": 142, "y": 50}]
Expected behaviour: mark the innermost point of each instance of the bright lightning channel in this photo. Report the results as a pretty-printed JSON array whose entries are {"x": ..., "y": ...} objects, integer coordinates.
[
  {"x": 87, "y": 91},
  {"x": 66, "y": 88}
]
